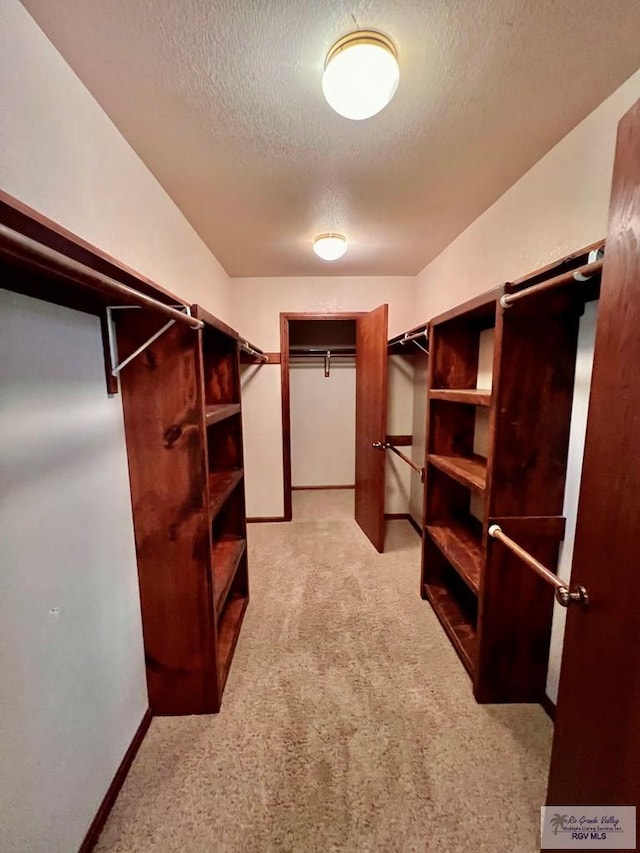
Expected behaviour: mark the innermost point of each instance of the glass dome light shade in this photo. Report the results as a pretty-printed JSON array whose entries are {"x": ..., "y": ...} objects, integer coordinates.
[
  {"x": 330, "y": 247},
  {"x": 361, "y": 75}
]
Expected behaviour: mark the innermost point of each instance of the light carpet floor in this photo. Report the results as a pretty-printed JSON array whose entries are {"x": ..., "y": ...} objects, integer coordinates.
[{"x": 348, "y": 722}]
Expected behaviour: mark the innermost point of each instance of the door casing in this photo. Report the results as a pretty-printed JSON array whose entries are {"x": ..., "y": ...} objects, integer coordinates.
[{"x": 285, "y": 319}]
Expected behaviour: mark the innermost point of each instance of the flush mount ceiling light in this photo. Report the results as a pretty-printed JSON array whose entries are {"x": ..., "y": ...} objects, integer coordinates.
[
  {"x": 330, "y": 246},
  {"x": 361, "y": 74}
]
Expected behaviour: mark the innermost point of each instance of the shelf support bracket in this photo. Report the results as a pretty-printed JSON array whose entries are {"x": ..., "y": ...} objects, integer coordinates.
[{"x": 117, "y": 366}]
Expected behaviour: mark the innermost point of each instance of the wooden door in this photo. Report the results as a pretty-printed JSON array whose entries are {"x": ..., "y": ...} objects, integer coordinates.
[
  {"x": 371, "y": 422},
  {"x": 596, "y": 748}
]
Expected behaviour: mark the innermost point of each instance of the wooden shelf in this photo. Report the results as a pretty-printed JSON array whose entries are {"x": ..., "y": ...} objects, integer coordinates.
[
  {"x": 470, "y": 471},
  {"x": 221, "y": 484},
  {"x": 220, "y": 411},
  {"x": 462, "y": 547},
  {"x": 471, "y": 396},
  {"x": 225, "y": 556},
  {"x": 457, "y": 624},
  {"x": 228, "y": 632}
]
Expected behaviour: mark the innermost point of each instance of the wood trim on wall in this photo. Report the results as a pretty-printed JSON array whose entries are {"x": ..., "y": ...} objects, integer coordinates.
[
  {"x": 97, "y": 824},
  {"x": 285, "y": 318},
  {"x": 400, "y": 440},
  {"x": 267, "y": 519},
  {"x": 286, "y": 414},
  {"x": 404, "y": 516},
  {"x": 320, "y": 488},
  {"x": 245, "y": 358},
  {"x": 549, "y": 706}
]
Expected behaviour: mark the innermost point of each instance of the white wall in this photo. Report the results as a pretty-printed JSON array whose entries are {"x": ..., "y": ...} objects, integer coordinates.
[
  {"x": 264, "y": 487},
  {"x": 399, "y": 422},
  {"x": 62, "y": 155},
  {"x": 581, "y": 389},
  {"x": 323, "y": 423},
  {"x": 71, "y": 656},
  {"x": 420, "y": 378},
  {"x": 256, "y": 304}
]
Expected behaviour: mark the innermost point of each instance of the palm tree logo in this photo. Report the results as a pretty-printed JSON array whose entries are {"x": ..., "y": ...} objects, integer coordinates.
[{"x": 557, "y": 821}]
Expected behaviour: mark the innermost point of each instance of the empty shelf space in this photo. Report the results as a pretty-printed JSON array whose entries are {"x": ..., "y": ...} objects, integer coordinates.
[
  {"x": 228, "y": 631},
  {"x": 470, "y": 471},
  {"x": 220, "y": 411},
  {"x": 472, "y": 396},
  {"x": 456, "y": 622},
  {"x": 221, "y": 484},
  {"x": 225, "y": 557},
  {"x": 461, "y": 544}
]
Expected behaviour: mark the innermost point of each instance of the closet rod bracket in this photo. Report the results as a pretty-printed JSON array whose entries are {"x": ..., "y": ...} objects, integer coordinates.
[{"x": 117, "y": 366}]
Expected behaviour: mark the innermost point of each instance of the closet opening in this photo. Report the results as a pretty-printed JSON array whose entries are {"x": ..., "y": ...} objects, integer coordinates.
[{"x": 334, "y": 393}]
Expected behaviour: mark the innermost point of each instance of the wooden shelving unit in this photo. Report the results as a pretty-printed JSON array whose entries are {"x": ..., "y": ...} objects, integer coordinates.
[
  {"x": 499, "y": 407},
  {"x": 183, "y": 423},
  {"x": 473, "y": 396},
  {"x": 226, "y": 556},
  {"x": 470, "y": 471},
  {"x": 461, "y": 545},
  {"x": 220, "y": 412},
  {"x": 221, "y": 484}
]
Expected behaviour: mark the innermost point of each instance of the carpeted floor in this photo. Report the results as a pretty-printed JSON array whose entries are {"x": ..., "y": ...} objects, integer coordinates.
[{"x": 348, "y": 723}]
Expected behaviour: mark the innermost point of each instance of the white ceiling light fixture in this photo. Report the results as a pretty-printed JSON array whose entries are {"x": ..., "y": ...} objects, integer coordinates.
[
  {"x": 361, "y": 74},
  {"x": 330, "y": 246}
]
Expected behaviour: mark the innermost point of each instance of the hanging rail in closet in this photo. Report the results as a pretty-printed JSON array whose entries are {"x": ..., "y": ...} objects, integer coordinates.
[
  {"x": 256, "y": 353},
  {"x": 320, "y": 352},
  {"x": 388, "y": 446},
  {"x": 325, "y": 353},
  {"x": 413, "y": 336},
  {"x": 578, "y": 275},
  {"x": 26, "y": 250},
  {"x": 564, "y": 595}
]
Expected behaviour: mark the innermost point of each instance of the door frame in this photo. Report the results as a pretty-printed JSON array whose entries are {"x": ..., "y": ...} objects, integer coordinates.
[{"x": 285, "y": 319}]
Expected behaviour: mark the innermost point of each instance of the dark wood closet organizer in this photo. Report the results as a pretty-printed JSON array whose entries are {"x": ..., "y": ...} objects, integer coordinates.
[
  {"x": 183, "y": 422},
  {"x": 495, "y": 611}
]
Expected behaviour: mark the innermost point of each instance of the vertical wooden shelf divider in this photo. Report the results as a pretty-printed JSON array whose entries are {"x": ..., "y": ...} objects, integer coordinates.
[
  {"x": 183, "y": 423},
  {"x": 497, "y": 450}
]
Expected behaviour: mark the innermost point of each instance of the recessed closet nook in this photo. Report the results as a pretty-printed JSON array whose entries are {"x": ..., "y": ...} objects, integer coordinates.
[{"x": 320, "y": 468}]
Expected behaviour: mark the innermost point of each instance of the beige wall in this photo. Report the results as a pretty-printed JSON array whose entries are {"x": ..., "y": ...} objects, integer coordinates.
[
  {"x": 62, "y": 155},
  {"x": 560, "y": 205},
  {"x": 256, "y": 304}
]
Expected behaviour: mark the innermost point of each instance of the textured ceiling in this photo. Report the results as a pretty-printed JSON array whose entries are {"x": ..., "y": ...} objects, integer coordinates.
[{"x": 222, "y": 100}]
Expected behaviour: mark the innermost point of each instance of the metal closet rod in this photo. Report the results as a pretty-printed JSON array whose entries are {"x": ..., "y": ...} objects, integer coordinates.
[
  {"x": 318, "y": 352},
  {"x": 579, "y": 275},
  {"x": 410, "y": 338},
  {"x": 245, "y": 346},
  {"x": 387, "y": 446},
  {"x": 564, "y": 595},
  {"x": 327, "y": 353},
  {"x": 406, "y": 338},
  {"x": 19, "y": 246}
]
